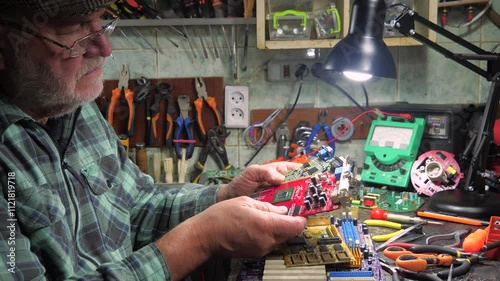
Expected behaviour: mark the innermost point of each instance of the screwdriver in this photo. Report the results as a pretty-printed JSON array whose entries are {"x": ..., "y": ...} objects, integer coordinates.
[
  {"x": 143, "y": 8},
  {"x": 379, "y": 214}
]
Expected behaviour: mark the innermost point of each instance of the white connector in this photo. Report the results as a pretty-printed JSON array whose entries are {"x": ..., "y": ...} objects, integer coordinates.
[{"x": 236, "y": 113}]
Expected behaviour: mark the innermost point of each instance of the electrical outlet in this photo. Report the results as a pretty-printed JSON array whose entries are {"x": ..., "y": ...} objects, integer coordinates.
[
  {"x": 284, "y": 70},
  {"x": 236, "y": 107}
]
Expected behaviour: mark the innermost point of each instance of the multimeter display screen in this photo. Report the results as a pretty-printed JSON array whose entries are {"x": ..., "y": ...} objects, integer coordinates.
[{"x": 436, "y": 126}]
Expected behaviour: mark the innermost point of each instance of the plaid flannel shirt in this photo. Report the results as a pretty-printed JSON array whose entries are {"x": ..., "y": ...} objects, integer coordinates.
[{"x": 78, "y": 208}]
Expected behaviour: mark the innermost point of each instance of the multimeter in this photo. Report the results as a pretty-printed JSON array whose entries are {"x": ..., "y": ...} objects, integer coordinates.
[{"x": 445, "y": 125}]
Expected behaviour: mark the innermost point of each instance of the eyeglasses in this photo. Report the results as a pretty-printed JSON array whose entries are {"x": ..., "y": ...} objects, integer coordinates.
[{"x": 79, "y": 46}]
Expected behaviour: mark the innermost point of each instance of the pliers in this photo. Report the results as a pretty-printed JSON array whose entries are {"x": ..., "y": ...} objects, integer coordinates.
[
  {"x": 141, "y": 92},
  {"x": 456, "y": 236},
  {"x": 116, "y": 95},
  {"x": 199, "y": 102},
  {"x": 184, "y": 122},
  {"x": 322, "y": 124},
  {"x": 383, "y": 223},
  {"x": 163, "y": 90},
  {"x": 214, "y": 146}
]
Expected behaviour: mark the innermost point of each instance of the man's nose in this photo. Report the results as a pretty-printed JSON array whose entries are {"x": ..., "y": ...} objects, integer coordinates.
[{"x": 100, "y": 46}]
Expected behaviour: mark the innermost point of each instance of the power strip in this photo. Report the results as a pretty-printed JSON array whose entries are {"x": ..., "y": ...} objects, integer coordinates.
[{"x": 284, "y": 70}]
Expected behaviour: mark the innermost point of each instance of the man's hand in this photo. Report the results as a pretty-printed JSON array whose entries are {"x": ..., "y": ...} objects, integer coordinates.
[
  {"x": 244, "y": 227},
  {"x": 254, "y": 176},
  {"x": 240, "y": 227}
]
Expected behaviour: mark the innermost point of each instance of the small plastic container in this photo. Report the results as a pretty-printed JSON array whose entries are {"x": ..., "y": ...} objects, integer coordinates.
[
  {"x": 327, "y": 22},
  {"x": 289, "y": 25}
]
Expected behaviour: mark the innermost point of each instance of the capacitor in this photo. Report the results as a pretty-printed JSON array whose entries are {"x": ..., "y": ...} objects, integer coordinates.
[
  {"x": 322, "y": 202},
  {"x": 307, "y": 204},
  {"x": 315, "y": 197},
  {"x": 309, "y": 199},
  {"x": 314, "y": 180}
]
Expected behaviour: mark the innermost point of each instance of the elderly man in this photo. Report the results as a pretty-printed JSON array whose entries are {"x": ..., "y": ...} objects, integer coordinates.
[{"x": 73, "y": 205}]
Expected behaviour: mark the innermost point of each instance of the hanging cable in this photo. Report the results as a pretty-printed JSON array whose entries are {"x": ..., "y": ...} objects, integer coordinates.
[{"x": 299, "y": 73}]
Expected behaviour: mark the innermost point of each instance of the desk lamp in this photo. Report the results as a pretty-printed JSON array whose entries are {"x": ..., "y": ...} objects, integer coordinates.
[{"x": 363, "y": 54}]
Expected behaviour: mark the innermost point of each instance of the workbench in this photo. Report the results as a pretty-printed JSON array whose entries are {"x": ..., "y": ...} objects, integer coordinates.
[{"x": 489, "y": 271}]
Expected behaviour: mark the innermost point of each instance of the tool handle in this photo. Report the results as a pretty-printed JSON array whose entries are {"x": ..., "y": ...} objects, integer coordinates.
[
  {"x": 115, "y": 96},
  {"x": 188, "y": 123},
  {"x": 461, "y": 220},
  {"x": 170, "y": 129},
  {"x": 422, "y": 276},
  {"x": 311, "y": 137},
  {"x": 143, "y": 8},
  {"x": 435, "y": 249},
  {"x": 178, "y": 132},
  {"x": 329, "y": 136},
  {"x": 459, "y": 270},
  {"x": 125, "y": 142},
  {"x": 154, "y": 125},
  {"x": 475, "y": 241},
  {"x": 141, "y": 158},
  {"x": 385, "y": 237},
  {"x": 282, "y": 150},
  {"x": 198, "y": 104},
  {"x": 394, "y": 252},
  {"x": 420, "y": 262},
  {"x": 156, "y": 167},
  {"x": 196, "y": 173},
  {"x": 383, "y": 223},
  {"x": 168, "y": 164},
  {"x": 129, "y": 97},
  {"x": 213, "y": 105}
]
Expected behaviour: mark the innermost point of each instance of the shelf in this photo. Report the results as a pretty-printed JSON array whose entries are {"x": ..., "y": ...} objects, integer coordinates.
[
  {"x": 427, "y": 9},
  {"x": 462, "y": 3},
  {"x": 187, "y": 22}
]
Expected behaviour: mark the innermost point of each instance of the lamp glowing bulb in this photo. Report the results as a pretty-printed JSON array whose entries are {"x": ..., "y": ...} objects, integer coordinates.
[{"x": 357, "y": 76}]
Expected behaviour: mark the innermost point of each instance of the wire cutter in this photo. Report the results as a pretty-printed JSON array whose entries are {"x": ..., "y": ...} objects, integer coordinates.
[
  {"x": 214, "y": 146},
  {"x": 163, "y": 90},
  {"x": 141, "y": 92},
  {"x": 456, "y": 236},
  {"x": 116, "y": 95},
  {"x": 184, "y": 122},
  {"x": 199, "y": 102},
  {"x": 385, "y": 237},
  {"x": 322, "y": 124}
]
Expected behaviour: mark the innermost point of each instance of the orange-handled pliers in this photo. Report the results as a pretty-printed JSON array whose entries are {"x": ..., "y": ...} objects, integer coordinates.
[
  {"x": 116, "y": 94},
  {"x": 198, "y": 103}
]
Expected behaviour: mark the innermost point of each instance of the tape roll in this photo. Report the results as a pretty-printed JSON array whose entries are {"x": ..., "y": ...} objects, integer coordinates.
[{"x": 338, "y": 125}]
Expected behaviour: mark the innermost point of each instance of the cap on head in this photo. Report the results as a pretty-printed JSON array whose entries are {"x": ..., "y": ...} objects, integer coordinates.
[{"x": 57, "y": 7}]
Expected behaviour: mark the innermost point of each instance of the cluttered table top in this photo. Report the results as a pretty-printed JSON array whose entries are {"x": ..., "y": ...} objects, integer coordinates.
[{"x": 483, "y": 270}]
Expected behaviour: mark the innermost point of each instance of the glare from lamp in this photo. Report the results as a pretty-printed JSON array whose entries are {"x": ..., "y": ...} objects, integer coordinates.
[{"x": 357, "y": 76}]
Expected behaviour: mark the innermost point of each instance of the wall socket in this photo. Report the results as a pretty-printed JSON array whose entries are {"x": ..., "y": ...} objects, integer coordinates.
[{"x": 236, "y": 113}]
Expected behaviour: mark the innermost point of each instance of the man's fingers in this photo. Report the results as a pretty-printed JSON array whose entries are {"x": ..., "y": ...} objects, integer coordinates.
[{"x": 288, "y": 226}]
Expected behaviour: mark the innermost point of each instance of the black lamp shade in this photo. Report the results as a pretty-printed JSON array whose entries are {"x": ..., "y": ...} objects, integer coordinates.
[{"x": 363, "y": 50}]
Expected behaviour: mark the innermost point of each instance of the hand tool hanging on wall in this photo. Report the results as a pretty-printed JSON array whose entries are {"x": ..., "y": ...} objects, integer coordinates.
[
  {"x": 205, "y": 53},
  {"x": 282, "y": 136},
  {"x": 228, "y": 46},
  {"x": 203, "y": 98},
  {"x": 141, "y": 157},
  {"x": 141, "y": 93},
  {"x": 206, "y": 10},
  {"x": 168, "y": 166},
  {"x": 120, "y": 93},
  {"x": 163, "y": 90},
  {"x": 184, "y": 123},
  {"x": 220, "y": 8},
  {"x": 214, "y": 146},
  {"x": 214, "y": 43},
  {"x": 323, "y": 123},
  {"x": 190, "y": 9},
  {"x": 235, "y": 60},
  {"x": 189, "y": 42},
  {"x": 142, "y": 8}
]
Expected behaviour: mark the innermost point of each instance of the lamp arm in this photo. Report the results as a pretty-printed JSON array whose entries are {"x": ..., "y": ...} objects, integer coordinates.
[{"x": 405, "y": 24}]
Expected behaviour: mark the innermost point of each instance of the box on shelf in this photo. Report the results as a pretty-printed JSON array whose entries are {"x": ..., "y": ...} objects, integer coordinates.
[
  {"x": 289, "y": 25},
  {"x": 327, "y": 22}
]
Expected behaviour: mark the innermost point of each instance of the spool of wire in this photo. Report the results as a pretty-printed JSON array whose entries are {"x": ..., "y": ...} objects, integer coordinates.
[{"x": 338, "y": 125}]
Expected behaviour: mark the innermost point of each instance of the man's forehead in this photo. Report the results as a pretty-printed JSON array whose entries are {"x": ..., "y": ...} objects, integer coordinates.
[{"x": 53, "y": 8}]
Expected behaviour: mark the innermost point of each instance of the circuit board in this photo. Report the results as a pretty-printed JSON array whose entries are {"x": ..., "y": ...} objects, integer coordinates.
[
  {"x": 302, "y": 197},
  {"x": 323, "y": 161},
  {"x": 393, "y": 201},
  {"x": 318, "y": 245},
  {"x": 366, "y": 264}
]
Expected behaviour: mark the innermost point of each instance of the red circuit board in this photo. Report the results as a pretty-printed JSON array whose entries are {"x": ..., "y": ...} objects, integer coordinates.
[{"x": 302, "y": 197}]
